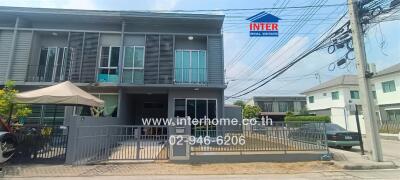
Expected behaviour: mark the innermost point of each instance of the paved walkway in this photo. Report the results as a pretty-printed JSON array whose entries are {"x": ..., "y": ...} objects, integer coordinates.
[
  {"x": 370, "y": 174},
  {"x": 165, "y": 169}
]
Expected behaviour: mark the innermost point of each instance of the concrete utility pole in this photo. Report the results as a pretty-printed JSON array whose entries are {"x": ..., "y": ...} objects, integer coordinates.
[{"x": 364, "y": 85}]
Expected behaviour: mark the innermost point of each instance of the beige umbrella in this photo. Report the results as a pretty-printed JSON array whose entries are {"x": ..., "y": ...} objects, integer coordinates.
[{"x": 64, "y": 93}]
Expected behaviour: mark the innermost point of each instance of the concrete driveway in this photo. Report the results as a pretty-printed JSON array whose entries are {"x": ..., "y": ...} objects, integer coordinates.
[{"x": 390, "y": 150}]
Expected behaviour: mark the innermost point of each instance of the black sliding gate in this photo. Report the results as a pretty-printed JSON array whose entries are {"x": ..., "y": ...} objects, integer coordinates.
[{"x": 40, "y": 144}]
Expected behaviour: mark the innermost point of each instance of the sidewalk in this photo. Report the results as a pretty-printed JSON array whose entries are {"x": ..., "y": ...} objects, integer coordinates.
[
  {"x": 166, "y": 169},
  {"x": 355, "y": 161}
]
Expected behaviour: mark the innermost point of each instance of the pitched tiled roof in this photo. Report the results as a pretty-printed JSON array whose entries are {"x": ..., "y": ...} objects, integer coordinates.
[{"x": 338, "y": 81}]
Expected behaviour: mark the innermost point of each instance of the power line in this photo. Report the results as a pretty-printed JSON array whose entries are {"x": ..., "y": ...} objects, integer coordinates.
[{"x": 282, "y": 70}]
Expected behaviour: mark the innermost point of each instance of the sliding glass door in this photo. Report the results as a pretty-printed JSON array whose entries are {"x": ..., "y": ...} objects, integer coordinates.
[
  {"x": 51, "y": 62},
  {"x": 200, "y": 109}
]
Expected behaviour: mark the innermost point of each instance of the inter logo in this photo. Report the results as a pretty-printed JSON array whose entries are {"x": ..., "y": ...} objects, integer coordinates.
[{"x": 263, "y": 24}]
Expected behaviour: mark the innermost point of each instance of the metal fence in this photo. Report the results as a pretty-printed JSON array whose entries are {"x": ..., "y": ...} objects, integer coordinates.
[
  {"x": 391, "y": 127},
  {"x": 119, "y": 142},
  {"x": 277, "y": 137},
  {"x": 44, "y": 144}
]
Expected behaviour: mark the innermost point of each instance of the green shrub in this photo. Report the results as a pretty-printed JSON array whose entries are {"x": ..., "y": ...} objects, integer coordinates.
[{"x": 325, "y": 119}]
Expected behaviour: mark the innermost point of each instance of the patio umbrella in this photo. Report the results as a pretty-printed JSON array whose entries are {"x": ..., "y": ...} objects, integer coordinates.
[{"x": 64, "y": 93}]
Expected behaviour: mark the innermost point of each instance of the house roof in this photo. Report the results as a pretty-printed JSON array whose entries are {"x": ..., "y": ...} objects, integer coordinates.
[
  {"x": 99, "y": 16},
  {"x": 263, "y": 17},
  {"x": 389, "y": 70},
  {"x": 338, "y": 81}
]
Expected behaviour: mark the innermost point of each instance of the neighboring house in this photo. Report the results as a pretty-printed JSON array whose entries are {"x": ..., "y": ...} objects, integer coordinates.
[
  {"x": 332, "y": 98},
  {"x": 387, "y": 85},
  {"x": 276, "y": 107},
  {"x": 141, "y": 64}
]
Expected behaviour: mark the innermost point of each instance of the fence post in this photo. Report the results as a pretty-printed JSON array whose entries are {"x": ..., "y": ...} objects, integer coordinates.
[{"x": 70, "y": 156}]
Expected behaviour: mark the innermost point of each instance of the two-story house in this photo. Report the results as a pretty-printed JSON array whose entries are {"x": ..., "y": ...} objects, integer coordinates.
[
  {"x": 142, "y": 64},
  {"x": 333, "y": 98},
  {"x": 276, "y": 107},
  {"x": 387, "y": 87}
]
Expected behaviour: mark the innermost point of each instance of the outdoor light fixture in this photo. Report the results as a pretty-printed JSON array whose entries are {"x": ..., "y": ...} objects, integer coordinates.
[
  {"x": 196, "y": 89},
  {"x": 54, "y": 34},
  {"x": 190, "y": 38}
]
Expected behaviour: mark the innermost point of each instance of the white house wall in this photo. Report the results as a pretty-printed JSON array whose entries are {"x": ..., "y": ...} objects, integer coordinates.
[{"x": 391, "y": 97}]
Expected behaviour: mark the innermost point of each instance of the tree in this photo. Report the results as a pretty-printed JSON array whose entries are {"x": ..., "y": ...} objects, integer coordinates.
[
  {"x": 250, "y": 111},
  {"x": 240, "y": 103},
  {"x": 7, "y": 97}
]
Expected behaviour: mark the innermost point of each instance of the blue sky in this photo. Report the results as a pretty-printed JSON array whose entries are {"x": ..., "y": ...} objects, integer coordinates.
[{"x": 269, "y": 53}]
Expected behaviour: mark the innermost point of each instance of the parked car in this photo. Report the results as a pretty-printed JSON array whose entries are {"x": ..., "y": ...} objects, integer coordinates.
[
  {"x": 8, "y": 143},
  {"x": 336, "y": 136}
]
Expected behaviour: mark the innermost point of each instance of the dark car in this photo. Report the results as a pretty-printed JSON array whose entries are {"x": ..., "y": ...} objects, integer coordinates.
[
  {"x": 8, "y": 143},
  {"x": 336, "y": 136}
]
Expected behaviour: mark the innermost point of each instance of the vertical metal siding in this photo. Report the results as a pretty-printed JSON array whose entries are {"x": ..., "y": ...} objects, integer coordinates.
[
  {"x": 166, "y": 59},
  {"x": 19, "y": 64},
  {"x": 151, "y": 59},
  {"x": 5, "y": 41},
  {"x": 89, "y": 58},
  {"x": 215, "y": 60}
]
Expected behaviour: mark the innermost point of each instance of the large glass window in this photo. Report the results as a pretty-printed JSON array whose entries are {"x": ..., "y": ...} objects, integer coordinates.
[
  {"x": 108, "y": 66},
  {"x": 51, "y": 62},
  {"x": 110, "y": 106},
  {"x": 190, "y": 66},
  {"x": 283, "y": 106},
  {"x": 335, "y": 95},
  {"x": 199, "y": 109},
  {"x": 388, "y": 86},
  {"x": 393, "y": 115},
  {"x": 268, "y": 107},
  {"x": 354, "y": 95},
  {"x": 133, "y": 65}
]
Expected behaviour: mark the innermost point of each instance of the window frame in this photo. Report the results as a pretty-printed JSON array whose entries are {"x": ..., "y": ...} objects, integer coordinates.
[
  {"x": 133, "y": 68},
  {"x": 205, "y": 80},
  {"x": 352, "y": 95},
  {"x": 333, "y": 95},
  {"x": 388, "y": 85},
  {"x": 311, "y": 98},
  {"x": 108, "y": 67}
]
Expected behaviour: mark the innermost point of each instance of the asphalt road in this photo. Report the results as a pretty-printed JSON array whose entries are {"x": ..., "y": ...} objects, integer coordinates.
[{"x": 367, "y": 174}]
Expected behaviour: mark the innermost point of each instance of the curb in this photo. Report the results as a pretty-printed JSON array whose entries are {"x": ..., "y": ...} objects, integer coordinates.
[{"x": 365, "y": 166}]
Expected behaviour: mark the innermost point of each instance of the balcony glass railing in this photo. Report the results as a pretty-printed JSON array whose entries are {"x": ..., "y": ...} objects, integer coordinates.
[{"x": 190, "y": 75}]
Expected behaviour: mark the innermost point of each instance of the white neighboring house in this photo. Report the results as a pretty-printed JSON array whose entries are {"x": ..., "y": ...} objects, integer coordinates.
[
  {"x": 332, "y": 98},
  {"x": 387, "y": 85}
]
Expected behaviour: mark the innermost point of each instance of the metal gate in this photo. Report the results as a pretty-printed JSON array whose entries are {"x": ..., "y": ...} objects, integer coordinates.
[
  {"x": 263, "y": 138},
  {"x": 40, "y": 144},
  {"x": 96, "y": 144}
]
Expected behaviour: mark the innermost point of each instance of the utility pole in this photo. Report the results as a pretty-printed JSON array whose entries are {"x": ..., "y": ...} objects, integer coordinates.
[{"x": 364, "y": 85}]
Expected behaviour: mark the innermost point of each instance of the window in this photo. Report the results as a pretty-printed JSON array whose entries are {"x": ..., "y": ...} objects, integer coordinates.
[
  {"x": 393, "y": 115},
  {"x": 190, "y": 66},
  {"x": 51, "y": 63},
  {"x": 268, "y": 107},
  {"x": 335, "y": 95},
  {"x": 388, "y": 86},
  {"x": 108, "y": 67},
  {"x": 354, "y": 95},
  {"x": 374, "y": 94},
  {"x": 110, "y": 106},
  {"x": 311, "y": 99},
  {"x": 283, "y": 106},
  {"x": 133, "y": 71},
  {"x": 198, "y": 108}
]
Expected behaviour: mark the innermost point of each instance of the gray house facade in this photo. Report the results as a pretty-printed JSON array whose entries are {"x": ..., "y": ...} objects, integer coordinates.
[{"x": 142, "y": 64}]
